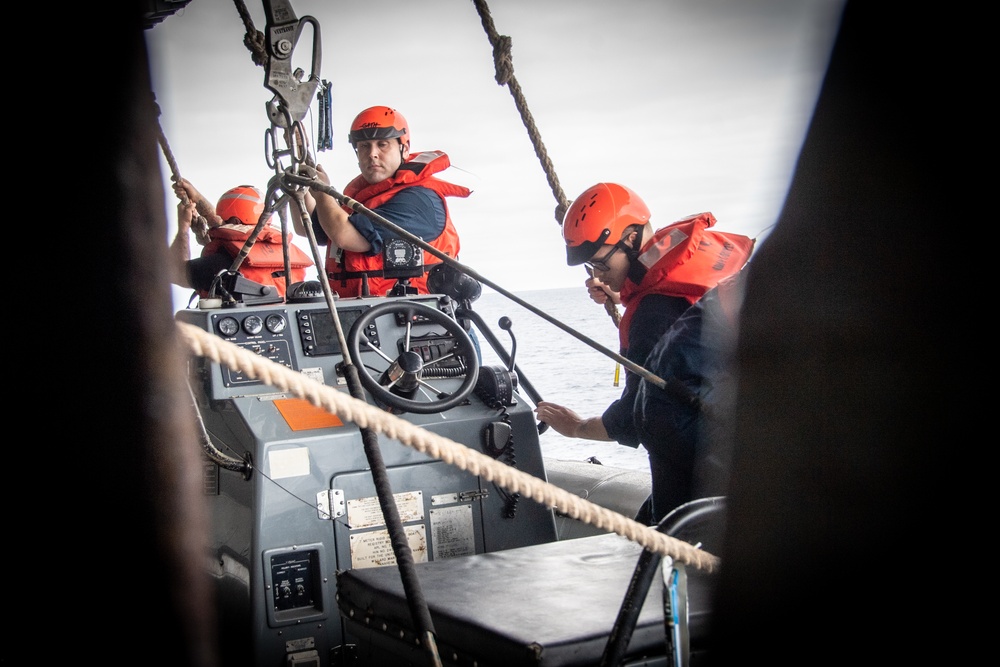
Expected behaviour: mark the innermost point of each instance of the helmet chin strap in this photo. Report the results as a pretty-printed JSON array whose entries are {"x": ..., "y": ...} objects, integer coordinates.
[{"x": 636, "y": 270}]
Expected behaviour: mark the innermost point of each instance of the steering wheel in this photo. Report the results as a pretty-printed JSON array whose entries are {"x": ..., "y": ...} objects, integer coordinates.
[{"x": 401, "y": 383}]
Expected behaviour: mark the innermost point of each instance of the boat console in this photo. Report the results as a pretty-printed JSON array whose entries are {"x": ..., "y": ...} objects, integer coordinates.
[{"x": 290, "y": 487}]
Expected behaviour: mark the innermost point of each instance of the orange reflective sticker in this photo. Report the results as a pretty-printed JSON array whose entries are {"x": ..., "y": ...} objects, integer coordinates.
[{"x": 301, "y": 415}]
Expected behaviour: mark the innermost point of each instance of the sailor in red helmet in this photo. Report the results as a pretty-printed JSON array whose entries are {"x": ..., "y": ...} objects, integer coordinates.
[
  {"x": 230, "y": 223},
  {"x": 395, "y": 184},
  {"x": 656, "y": 275}
]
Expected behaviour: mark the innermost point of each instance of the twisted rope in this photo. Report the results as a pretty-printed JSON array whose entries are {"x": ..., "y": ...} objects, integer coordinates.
[
  {"x": 503, "y": 63},
  {"x": 609, "y": 306},
  {"x": 348, "y": 408},
  {"x": 254, "y": 39},
  {"x": 199, "y": 225}
]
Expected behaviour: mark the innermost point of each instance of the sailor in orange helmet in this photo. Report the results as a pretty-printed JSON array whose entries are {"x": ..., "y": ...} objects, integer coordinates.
[
  {"x": 398, "y": 186},
  {"x": 657, "y": 275},
  {"x": 230, "y": 223}
]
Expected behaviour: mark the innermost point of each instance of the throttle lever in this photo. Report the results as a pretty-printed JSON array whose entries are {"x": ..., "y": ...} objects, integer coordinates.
[{"x": 507, "y": 326}]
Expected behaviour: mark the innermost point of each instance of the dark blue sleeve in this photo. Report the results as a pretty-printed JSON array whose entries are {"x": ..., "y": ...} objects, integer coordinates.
[
  {"x": 201, "y": 271},
  {"x": 321, "y": 237},
  {"x": 418, "y": 210},
  {"x": 654, "y": 316}
]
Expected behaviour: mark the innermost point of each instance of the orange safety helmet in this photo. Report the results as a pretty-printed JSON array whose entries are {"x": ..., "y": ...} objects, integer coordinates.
[
  {"x": 244, "y": 202},
  {"x": 600, "y": 215},
  {"x": 379, "y": 123}
]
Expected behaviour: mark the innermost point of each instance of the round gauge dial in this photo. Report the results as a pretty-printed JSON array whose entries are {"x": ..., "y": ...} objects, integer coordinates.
[
  {"x": 400, "y": 253},
  {"x": 275, "y": 323},
  {"x": 228, "y": 326},
  {"x": 253, "y": 325}
]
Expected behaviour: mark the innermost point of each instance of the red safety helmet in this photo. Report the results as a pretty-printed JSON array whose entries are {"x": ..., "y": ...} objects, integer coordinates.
[
  {"x": 598, "y": 216},
  {"x": 379, "y": 123},
  {"x": 244, "y": 202}
]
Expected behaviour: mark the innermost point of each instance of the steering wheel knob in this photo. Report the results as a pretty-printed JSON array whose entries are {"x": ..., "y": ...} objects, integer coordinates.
[{"x": 405, "y": 374}]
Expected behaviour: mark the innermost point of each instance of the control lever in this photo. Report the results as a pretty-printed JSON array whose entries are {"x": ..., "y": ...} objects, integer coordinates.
[
  {"x": 495, "y": 382},
  {"x": 507, "y": 325},
  {"x": 492, "y": 378},
  {"x": 234, "y": 290}
]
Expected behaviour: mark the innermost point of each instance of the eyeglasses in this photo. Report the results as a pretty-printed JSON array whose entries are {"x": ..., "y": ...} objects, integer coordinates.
[{"x": 602, "y": 263}]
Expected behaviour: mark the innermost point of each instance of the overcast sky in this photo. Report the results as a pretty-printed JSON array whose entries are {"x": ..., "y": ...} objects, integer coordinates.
[{"x": 697, "y": 105}]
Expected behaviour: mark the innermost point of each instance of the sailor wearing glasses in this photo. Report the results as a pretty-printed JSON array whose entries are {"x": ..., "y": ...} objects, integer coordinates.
[{"x": 656, "y": 274}]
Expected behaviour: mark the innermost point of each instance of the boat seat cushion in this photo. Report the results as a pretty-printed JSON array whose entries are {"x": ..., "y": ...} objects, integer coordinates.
[{"x": 549, "y": 605}]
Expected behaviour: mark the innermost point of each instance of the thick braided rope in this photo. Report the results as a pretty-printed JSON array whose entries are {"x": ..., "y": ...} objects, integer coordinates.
[
  {"x": 348, "y": 408},
  {"x": 199, "y": 225},
  {"x": 503, "y": 63},
  {"x": 254, "y": 40}
]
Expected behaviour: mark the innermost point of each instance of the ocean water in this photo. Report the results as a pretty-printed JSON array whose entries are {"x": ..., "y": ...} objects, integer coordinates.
[{"x": 562, "y": 368}]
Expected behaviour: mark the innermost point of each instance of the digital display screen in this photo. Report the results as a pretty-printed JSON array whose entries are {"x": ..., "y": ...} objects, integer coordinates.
[{"x": 319, "y": 335}]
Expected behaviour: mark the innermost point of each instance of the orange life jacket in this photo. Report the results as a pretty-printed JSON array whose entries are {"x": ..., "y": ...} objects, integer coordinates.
[
  {"x": 265, "y": 262},
  {"x": 345, "y": 272},
  {"x": 684, "y": 259}
]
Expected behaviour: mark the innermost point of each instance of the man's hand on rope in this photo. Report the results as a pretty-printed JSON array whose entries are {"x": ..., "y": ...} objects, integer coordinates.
[
  {"x": 321, "y": 178},
  {"x": 204, "y": 213},
  {"x": 600, "y": 293},
  {"x": 322, "y": 175},
  {"x": 604, "y": 295},
  {"x": 185, "y": 216},
  {"x": 183, "y": 188}
]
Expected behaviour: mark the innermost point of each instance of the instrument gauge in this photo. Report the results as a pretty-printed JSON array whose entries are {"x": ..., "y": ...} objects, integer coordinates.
[
  {"x": 275, "y": 323},
  {"x": 253, "y": 325},
  {"x": 228, "y": 326}
]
